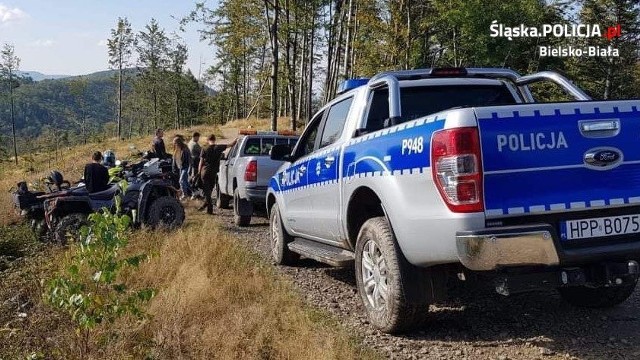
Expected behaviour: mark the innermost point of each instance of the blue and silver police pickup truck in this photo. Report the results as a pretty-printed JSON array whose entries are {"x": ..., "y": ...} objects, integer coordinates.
[{"x": 424, "y": 178}]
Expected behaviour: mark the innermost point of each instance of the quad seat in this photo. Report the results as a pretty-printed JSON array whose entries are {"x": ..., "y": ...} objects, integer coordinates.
[{"x": 108, "y": 194}]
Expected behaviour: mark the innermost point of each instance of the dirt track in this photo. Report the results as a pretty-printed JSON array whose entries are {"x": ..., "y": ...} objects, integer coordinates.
[{"x": 529, "y": 326}]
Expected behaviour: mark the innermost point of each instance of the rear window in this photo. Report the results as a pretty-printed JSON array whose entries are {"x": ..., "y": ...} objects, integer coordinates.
[
  {"x": 421, "y": 101},
  {"x": 260, "y": 146}
]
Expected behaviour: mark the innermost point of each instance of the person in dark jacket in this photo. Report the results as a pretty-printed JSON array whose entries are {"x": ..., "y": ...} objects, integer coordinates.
[
  {"x": 157, "y": 146},
  {"x": 208, "y": 169},
  {"x": 181, "y": 163},
  {"x": 96, "y": 176}
]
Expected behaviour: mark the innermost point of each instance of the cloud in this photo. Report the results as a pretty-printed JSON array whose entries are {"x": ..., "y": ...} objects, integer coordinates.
[
  {"x": 8, "y": 14},
  {"x": 43, "y": 43},
  {"x": 102, "y": 43}
]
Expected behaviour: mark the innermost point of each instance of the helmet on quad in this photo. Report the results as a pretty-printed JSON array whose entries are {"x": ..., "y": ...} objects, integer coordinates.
[
  {"x": 55, "y": 178},
  {"x": 109, "y": 158}
]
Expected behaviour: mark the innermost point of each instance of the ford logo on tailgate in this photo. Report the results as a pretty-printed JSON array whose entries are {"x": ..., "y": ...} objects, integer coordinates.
[{"x": 603, "y": 158}]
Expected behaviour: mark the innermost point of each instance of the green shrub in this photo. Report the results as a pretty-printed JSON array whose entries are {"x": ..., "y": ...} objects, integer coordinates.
[{"x": 91, "y": 289}]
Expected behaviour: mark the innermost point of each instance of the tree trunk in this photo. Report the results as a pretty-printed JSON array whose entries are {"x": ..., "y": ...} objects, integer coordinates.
[
  {"x": 301, "y": 84},
  {"x": 346, "y": 67},
  {"x": 273, "y": 34},
  {"x": 607, "y": 85},
  {"x": 310, "y": 66},
  {"x": 120, "y": 95},
  {"x": 13, "y": 119}
]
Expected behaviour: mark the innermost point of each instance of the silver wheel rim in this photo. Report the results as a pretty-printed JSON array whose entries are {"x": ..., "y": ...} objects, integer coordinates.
[
  {"x": 374, "y": 276},
  {"x": 274, "y": 236}
]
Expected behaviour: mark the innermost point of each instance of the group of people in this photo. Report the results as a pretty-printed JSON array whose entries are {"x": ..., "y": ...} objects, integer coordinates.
[{"x": 197, "y": 166}]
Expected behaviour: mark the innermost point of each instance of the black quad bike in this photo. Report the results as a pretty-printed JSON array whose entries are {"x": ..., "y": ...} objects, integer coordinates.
[{"x": 150, "y": 198}]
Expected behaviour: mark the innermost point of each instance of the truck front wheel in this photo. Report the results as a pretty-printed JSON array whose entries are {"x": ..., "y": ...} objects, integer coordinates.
[
  {"x": 381, "y": 281},
  {"x": 601, "y": 297},
  {"x": 280, "y": 240}
]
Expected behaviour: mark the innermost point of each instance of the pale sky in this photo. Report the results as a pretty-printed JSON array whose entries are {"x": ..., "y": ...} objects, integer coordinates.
[{"x": 68, "y": 37}]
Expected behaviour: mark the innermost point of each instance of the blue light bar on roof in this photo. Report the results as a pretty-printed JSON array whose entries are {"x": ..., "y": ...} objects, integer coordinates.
[{"x": 351, "y": 84}]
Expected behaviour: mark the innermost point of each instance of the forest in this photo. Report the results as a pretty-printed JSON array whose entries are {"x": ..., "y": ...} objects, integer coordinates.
[{"x": 284, "y": 58}]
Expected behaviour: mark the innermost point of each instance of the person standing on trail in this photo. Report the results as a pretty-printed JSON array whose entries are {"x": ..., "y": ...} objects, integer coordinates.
[
  {"x": 195, "y": 150},
  {"x": 208, "y": 169},
  {"x": 157, "y": 146},
  {"x": 96, "y": 176},
  {"x": 181, "y": 161}
]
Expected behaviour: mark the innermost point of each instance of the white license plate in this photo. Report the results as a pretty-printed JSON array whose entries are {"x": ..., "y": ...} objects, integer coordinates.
[{"x": 600, "y": 227}]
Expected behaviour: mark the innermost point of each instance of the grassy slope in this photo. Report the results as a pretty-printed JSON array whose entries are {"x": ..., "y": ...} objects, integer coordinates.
[{"x": 216, "y": 299}]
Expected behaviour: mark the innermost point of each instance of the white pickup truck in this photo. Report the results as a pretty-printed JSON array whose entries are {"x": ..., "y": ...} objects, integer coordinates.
[
  {"x": 425, "y": 178},
  {"x": 245, "y": 171}
]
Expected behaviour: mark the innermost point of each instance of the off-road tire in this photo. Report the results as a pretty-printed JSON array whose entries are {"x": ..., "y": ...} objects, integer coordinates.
[
  {"x": 69, "y": 226},
  {"x": 602, "y": 297},
  {"x": 239, "y": 220},
  {"x": 280, "y": 240},
  {"x": 165, "y": 212},
  {"x": 400, "y": 312},
  {"x": 222, "y": 200}
]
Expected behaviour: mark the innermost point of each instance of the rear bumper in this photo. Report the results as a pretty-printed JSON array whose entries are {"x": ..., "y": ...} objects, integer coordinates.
[
  {"x": 532, "y": 245},
  {"x": 256, "y": 194},
  {"x": 493, "y": 248}
]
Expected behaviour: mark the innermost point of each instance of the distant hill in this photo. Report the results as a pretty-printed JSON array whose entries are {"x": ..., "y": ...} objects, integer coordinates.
[
  {"x": 52, "y": 103},
  {"x": 38, "y": 76}
]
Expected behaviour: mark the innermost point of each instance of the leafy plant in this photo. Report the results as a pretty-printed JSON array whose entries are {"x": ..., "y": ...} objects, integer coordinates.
[{"x": 91, "y": 289}]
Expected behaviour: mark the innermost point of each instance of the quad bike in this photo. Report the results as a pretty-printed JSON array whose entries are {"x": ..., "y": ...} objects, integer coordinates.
[{"x": 150, "y": 198}]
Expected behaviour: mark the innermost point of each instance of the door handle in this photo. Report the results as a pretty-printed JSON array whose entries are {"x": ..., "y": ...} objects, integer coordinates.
[
  {"x": 329, "y": 160},
  {"x": 600, "y": 128}
]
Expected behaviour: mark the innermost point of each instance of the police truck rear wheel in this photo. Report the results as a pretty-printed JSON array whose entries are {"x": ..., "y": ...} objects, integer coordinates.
[
  {"x": 602, "y": 297},
  {"x": 381, "y": 282},
  {"x": 280, "y": 240}
]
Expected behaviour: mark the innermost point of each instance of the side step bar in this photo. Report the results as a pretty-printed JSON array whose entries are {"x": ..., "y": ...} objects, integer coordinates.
[{"x": 323, "y": 253}]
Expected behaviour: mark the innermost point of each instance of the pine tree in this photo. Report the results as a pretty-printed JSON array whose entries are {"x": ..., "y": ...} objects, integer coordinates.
[
  {"x": 9, "y": 64},
  {"x": 610, "y": 77},
  {"x": 152, "y": 47},
  {"x": 120, "y": 50}
]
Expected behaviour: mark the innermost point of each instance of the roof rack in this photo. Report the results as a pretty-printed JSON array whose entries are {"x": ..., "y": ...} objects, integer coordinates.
[{"x": 266, "y": 132}]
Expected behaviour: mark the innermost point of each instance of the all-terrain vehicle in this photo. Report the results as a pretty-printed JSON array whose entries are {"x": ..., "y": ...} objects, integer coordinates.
[{"x": 150, "y": 198}]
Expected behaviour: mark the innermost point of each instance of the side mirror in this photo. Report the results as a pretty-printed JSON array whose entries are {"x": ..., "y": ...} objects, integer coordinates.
[{"x": 280, "y": 152}]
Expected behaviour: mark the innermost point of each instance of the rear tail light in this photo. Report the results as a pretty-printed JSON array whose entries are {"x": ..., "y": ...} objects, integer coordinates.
[
  {"x": 457, "y": 172},
  {"x": 251, "y": 172}
]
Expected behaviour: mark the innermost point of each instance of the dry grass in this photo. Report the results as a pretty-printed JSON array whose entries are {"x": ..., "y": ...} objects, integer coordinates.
[
  {"x": 70, "y": 162},
  {"x": 215, "y": 298},
  {"x": 259, "y": 124},
  {"x": 218, "y": 300}
]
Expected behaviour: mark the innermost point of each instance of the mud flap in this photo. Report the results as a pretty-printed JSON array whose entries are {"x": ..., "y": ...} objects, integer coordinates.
[{"x": 244, "y": 207}]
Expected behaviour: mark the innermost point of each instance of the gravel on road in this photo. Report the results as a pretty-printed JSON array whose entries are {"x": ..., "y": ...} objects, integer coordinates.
[{"x": 535, "y": 325}]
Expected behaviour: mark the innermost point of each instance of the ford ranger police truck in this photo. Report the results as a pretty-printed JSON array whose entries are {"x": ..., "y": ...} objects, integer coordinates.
[{"x": 428, "y": 177}]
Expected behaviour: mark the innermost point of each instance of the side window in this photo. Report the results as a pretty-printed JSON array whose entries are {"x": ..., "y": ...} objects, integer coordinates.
[
  {"x": 234, "y": 150},
  {"x": 378, "y": 110},
  {"x": 308, "y": 141},
  {"x": 334, "y": 124}
]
